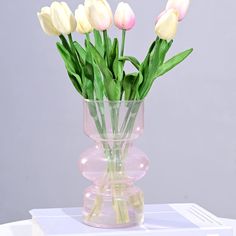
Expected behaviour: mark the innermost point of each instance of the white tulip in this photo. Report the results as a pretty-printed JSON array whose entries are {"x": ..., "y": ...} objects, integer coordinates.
[
  {"x": 45, "y": 20},
  {"x": 100, "y": 14},
  {"x": 88, "y": 3},
  {"x": 83, "y": 24},
  {"x": 62, "y": 18},
  {"x": 166, "y": 26}
]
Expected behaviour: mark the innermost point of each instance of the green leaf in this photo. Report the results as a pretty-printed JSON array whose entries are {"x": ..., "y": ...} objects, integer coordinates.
[
  {"x": 114, "y": 64},
  {"x": 65, "y": 43},
  {"x": 88, "y": 68},
  {"x": 131, "y": 59},
  {"x": 127, "y": 84},
  {"x": 88, "y": 88},
  {"x": 84, "y": 79},
  {"x": 137, "y": 84},
  {"x": 112, "y": 87},
  {"x": 164, "y": 68},
  {"x": 70, "y": 67},
  {"x": 100, "y": 62},
  {"x": 98, "y": 83},
  {"x": 75, "y": 82},
  {"x": 163, "y": 49},
  {"x": 171, "y": 63},
  {"x": 80, "y": 50},
  {"x": 114, "y": 53},
  {"x": 118, "y": 69},
  {"x": 131, "y": 85},
  {"x": 109, "y": 43},
  {"x": 77, "y": 77},
  {"x": 71, "y": 62},
  {"x": 66, "y": 56},
  {"x": 98, "y": 42},
  {"x": 155, "y": 58},
  {"x": 144, "y": 65}
]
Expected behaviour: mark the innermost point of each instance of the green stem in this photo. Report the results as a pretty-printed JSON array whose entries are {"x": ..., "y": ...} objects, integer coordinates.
[
  {"x": 105, "y": 38},
  {"x": 73, "y": 50},
  {"x": 126, "y": 118},
  {"x": 123, "y": 43},
  {"x": 71, "y": 42},
  {"x": 88, "y": 37},
  {"x": 115, "y": 171},
  {"x": 64, "y": 42}
]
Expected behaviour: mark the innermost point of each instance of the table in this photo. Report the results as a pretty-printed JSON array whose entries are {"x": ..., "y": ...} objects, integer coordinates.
[{"x": 23, "y": 228}]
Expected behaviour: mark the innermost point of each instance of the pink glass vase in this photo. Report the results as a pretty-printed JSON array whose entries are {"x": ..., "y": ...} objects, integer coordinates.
[{"x": 113, "y": 164}]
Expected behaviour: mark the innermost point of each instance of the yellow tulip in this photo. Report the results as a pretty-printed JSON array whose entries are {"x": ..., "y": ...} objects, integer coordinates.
[
  {"x": 167, "y": 23},
  {"x": 83, "y": 24}
]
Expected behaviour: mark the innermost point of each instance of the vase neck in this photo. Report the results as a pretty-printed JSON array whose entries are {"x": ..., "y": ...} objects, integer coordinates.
[
  {"x": 113, "y": 121},
  {"x": 111, "y": 144}
]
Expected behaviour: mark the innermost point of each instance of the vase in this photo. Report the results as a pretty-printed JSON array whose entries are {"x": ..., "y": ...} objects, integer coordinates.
[{"x": 113, "y": 164}]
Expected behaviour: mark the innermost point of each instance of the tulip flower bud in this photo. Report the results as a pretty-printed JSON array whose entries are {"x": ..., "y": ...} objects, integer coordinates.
[
  {"x": 83, "y": 24},
  {"x": 45, "y": 20},
  {"x": 124, "y": 16},
  {"x": 180, "y": 5},
  {"x": 166, "y": 26},
  {"x": 62, "y": 18},
  {"x": 100, "y": 14}
]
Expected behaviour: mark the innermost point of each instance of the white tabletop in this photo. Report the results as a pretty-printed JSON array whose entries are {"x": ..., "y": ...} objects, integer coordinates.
[{"x": 23, "y": 228}]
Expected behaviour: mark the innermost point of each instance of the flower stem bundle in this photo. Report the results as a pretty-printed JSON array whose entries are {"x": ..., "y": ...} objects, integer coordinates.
[{"x": 96, "y": 68}]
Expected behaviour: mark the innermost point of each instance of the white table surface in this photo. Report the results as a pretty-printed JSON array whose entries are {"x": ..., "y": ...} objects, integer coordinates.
[{"x": 23, "y": 228}]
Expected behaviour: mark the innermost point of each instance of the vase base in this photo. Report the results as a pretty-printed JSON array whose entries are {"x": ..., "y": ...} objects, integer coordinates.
[
  {"x": 104, "y": 226},
  {"x": 104, "y": 210}
]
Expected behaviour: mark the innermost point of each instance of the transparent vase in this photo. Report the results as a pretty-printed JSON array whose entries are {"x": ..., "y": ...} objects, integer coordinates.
[{"x": 113, "y": 164}]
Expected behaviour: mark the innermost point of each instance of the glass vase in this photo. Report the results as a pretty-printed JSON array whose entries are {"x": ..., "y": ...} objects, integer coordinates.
[{"x": 113, "y": 164}]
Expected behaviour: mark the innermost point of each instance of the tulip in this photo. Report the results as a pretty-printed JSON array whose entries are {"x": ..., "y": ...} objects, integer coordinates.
[
  {"x": 45, "y": 20},
  {"x": 100, "y": 14},
  {"x": 180, "y": 5},
  {"x": 83, "y": 24},
  {"x": 166, "y": 26},
  {"x": 88, "y": 3},
  {"x": 124, "y": 16},
  {"x": 62, "y": 18}
]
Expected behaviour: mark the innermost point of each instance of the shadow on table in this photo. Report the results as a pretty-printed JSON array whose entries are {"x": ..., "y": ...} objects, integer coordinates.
[{"x": 21, "y": 230}]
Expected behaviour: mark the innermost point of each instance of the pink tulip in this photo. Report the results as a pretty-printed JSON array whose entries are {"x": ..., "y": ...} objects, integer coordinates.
[
  {"x": 180, "y": 5},
  {"x": 124, "y": 16}
]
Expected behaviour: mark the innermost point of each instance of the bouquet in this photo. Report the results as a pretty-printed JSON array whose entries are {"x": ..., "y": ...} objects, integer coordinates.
[
  {"x": 97, "y": 71},
  {"x": 97, "y": 68}
]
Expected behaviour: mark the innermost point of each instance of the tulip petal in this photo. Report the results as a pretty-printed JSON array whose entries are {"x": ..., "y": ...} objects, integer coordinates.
[
  {"x": 124, "y": 16},
  {"x": 166, "y": 27},
  {"x": 62, "y": 18},
  {"x": 180, "y": 5},
  {"x": 46, "y": 22},
  {"x": 83, "y": 24},
  {"x": 100, "y": 14}
]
